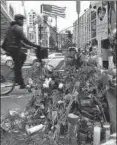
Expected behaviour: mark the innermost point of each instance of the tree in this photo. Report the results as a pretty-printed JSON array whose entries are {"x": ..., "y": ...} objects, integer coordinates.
[{"x": 69, "y": 35}]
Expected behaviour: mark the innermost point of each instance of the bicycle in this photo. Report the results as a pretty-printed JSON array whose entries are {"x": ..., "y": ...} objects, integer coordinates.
[
  {"x": 7, "y": 76},
  {"x": 7, "y": 79}
]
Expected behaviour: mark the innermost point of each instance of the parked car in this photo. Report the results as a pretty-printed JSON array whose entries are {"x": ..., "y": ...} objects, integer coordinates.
[
  {"x": 30, "y": 60},
  {"x": 56, "y": 56},
  {"x": 5, "y": 59}
]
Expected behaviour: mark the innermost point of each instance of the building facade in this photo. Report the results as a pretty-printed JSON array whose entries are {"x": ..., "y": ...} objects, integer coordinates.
[
  {"x": 90, "y": 26},
  {"x": 75, "y": 32},
  {"x": 31, "y": 18},
  {"x": 7, "y": 14},
  {"x": 41, "y": 31},
  {"x": 53, "y": 37},
  {"x": 106, "y": 21},
  {"x": 85, "y": 28},
  {"x": 44, "y": 35},
  {"x": 63, "y": 41},
  {"x": 93, "y": 25},
  {"x": 82, "y": 36},
  {"x": 31, "y": 26}
]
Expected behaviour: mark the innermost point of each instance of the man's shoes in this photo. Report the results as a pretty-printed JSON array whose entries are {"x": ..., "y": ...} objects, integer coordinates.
[
  {"x": 20, "y": 83},
  {"x": 16, "y": 83}
]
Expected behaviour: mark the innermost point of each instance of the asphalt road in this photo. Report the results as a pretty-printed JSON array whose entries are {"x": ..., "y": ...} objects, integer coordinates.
[{"x": 17, "y": 99}]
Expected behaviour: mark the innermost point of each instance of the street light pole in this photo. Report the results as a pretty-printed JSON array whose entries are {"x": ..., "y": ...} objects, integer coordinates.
[
  {"x": 56, "y": 32},
  {"x": 24, "y": 11},
  {"x": 37, "y": 33},
  {"x": 40, "y": 35},
  {"x": 78, "y": 12},
  {"x": 78, "y": 32}
]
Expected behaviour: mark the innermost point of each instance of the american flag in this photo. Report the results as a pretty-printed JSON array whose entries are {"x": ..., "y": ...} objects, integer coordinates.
[{"x": 53, "y": 10}]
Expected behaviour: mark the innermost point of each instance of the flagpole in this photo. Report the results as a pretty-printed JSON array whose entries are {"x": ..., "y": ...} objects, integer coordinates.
[{"x": 24, "y": 11}]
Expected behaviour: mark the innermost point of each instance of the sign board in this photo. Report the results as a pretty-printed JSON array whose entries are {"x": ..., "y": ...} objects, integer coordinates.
[{"x": 102, "y": 21}]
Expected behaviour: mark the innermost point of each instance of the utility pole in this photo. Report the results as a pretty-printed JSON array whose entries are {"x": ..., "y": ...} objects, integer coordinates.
[
  {"x": 37, "y": 33},
  {"x": 56, "y": 33},
  {"x": 40, "y": 33},
  {"x": 78, "y": 32},
  {"x": 78, "y": 12},
  {"x": 24, "y": 11}
]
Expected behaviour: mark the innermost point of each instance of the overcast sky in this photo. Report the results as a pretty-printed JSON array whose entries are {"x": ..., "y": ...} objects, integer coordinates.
[{"x": 63, "y": 23}]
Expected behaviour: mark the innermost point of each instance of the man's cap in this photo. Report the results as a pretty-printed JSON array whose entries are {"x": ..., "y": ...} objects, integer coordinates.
[
  {"x": 73, "y": 49},
  {"x": 19, "y": 16}
]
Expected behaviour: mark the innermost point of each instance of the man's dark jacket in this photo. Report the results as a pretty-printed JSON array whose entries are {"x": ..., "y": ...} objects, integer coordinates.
[{"x": 14, "y": 38}]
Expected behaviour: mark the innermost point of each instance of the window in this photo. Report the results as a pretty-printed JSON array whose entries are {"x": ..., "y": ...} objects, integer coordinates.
[
  {"x": 93, "y": 25},
  {"x": 93, "y": 34},
  {"x": 93, "y": 15}
]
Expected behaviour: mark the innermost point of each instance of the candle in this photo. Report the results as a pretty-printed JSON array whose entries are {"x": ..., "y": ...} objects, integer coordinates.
[
  {"x": 107, "y": 131},
  {"x": 34, "y": 129},
  {"x": 96, "y": 139},
  {"x": 60, "y": 86}
]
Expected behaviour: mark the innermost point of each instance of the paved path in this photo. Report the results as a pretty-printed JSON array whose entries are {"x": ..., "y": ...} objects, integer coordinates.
[{"x": 18, "y": 98}]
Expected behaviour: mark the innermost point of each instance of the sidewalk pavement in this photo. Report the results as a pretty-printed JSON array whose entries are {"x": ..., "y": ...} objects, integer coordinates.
[{"x": 17, "y": 99}]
